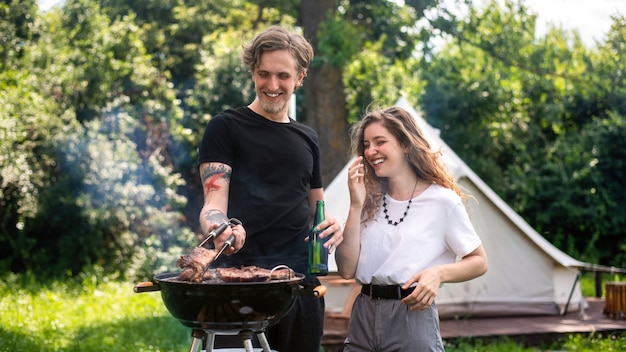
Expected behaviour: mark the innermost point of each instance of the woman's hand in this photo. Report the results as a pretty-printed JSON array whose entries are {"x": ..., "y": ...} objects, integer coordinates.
[
  {"x": 356, "y": 184},
  {"x": 427, "y": 284},
  {"x": 429, "y": 280},
  {"x": 347, "y": 255}
]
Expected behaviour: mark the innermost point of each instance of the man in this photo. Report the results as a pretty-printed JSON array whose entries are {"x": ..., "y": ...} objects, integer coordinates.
[{"x": 263, "y": 168}]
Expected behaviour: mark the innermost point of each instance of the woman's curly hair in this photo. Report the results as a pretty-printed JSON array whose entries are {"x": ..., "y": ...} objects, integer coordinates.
[{"x": 425, "y": 162}]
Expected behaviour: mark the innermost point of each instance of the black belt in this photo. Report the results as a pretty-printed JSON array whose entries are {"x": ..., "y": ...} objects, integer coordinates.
[{"x": 385, "y": 292}]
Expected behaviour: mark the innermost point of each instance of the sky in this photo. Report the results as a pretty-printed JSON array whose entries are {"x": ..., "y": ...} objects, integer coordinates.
[
  {"x": 47, "y": 4},
  {"x": 592, "y": 18}
]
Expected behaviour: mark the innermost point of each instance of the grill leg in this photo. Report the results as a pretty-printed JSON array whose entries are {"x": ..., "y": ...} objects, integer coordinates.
[
  {"x": 247, "y": 344},
  {"x": 246, "y": 338},
  {"x": 198, "y": 335},
  {"x": 208, "y": 337},
  {"x": 263, "y": 341},
  {"x": 195, "y": 344},
  {"x": 210, "y": 341}
]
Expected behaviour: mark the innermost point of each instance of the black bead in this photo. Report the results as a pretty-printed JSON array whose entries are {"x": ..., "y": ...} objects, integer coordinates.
[{"x": 394, "y": 223}]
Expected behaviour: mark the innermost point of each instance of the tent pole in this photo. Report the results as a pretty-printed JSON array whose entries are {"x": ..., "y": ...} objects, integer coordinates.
[{"x": 571, "y": 293}]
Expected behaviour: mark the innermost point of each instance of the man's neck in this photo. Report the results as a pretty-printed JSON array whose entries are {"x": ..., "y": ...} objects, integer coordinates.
[{"x": 281, "y": 117}]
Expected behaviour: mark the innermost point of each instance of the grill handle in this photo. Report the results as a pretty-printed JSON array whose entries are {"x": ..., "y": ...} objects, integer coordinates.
[
  {"x": 146, "y": 286},
  {"x": 311, "y": 291}
]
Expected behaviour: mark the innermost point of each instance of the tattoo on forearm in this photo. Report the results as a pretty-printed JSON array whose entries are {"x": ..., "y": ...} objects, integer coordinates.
[
  {"x": 211, "y": 174},
  {"x": 215, "y": 216}
]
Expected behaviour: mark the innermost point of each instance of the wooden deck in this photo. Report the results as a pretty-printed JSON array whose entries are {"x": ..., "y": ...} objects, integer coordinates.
[
  {"x": 591, "y": 320},
  {"x": 527, "y": 328}
]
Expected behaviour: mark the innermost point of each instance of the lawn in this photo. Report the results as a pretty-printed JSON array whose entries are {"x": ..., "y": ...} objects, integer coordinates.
[{"x": 85, "y": 316}]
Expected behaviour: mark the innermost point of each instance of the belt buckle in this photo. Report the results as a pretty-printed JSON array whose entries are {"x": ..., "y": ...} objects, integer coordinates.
[
  {"x": 371, "y": 293},
  {"x": 399, "y": 291}
]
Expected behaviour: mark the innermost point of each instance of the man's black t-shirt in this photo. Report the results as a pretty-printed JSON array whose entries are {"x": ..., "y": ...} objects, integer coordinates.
[{"x": 274, "y": 165}]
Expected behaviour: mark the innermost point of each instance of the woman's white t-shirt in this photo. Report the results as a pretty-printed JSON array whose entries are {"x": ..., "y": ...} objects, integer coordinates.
[{"x": 436, "y": 230}]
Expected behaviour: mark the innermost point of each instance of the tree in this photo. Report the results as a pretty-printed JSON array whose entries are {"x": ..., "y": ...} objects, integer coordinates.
[
  {"x": 105, "y": 193},
  {"x": 533, "y": 118},
  {"x": 323, "y": 88},
  {"x": 17, "y": 20},
  {"x": 339, "y": 31}
]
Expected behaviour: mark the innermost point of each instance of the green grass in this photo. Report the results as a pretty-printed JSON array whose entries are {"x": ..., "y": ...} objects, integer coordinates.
[
  {"x": 594, "y": 343},
  {"x": 95, "y": 314},
  {"x": 501, "y": 344},
  {"x": 85, "y": 316},
  {"x": 599, "y": 342}
]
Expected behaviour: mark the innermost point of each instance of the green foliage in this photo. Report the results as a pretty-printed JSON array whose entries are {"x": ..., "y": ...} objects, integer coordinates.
[
  {"x": 174, "y": 31},
  {"x": 221, "y": 80},
  {"x": 338, "y": 41},
  {"x": 26, "y": 128},
  {"x": 581, "y": 182},
  {"x": 376, "y": 48},
  {"x": 373, "y": 80},
  {"x": 595, "y": 342},
  {"x": 356, "y": 24},
  {"x": 570, "y": 342},
  {"x": 588, "y": 283},
  {"x": 536, "y": 120},
  {"x": 611, "y": 65},
  {"x": 106, "y": 193},
  {"x": 18, "y": 28},
  {"x": 501, "y": 344},
  {"x": 389, "y": 23}
]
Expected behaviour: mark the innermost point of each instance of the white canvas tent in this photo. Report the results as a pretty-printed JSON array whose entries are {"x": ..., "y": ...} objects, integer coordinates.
[{"x": 527, "y": 275}]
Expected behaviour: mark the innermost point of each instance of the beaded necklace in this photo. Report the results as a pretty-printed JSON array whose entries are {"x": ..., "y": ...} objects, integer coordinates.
[{"x": 408, "y": 206}]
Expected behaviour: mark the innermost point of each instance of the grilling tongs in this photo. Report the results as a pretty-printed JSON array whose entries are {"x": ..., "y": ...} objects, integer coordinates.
[{"x": 216, "y": 232}]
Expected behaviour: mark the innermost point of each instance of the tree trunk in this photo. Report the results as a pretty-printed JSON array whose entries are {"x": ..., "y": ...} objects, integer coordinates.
[{"x": 325, "y": 100}]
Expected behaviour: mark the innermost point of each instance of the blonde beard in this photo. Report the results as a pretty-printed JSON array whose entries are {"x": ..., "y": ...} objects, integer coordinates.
[{"x": 272, "y": 108}]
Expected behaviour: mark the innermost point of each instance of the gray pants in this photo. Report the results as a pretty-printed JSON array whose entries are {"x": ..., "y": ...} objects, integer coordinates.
[{"x": 386, "y": 325}]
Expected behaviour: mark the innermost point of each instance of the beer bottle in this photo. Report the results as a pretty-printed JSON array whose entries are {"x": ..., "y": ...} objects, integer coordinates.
[{"x": 318, "y": 255}]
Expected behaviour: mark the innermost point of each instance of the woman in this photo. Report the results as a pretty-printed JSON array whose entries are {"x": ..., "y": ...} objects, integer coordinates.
[{"x": 406, "y": 227}]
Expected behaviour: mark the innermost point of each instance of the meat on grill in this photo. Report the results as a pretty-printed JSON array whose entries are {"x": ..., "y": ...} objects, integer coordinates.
[
  {"x": 253, "y": 273},
  {"x": 194, "y": 263}
]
